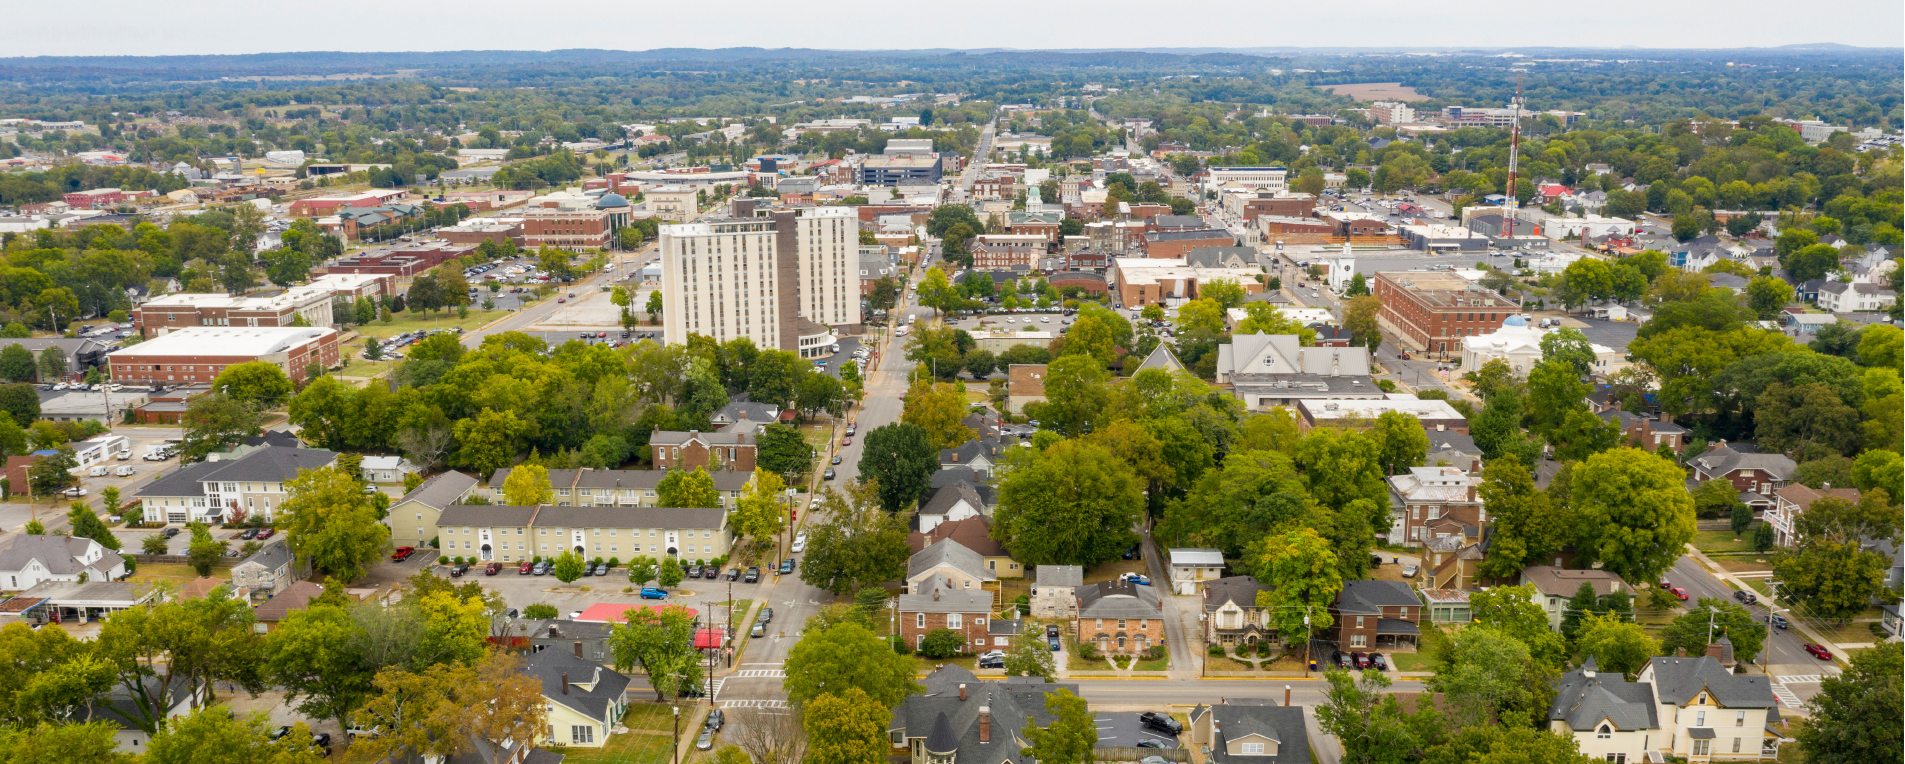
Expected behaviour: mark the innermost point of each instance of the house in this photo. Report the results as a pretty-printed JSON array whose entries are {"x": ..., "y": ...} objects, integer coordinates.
[
  {"x": 950, "y": 503},
  {"x": 749, "y": 411},
  {"x": 1454, "y": 560},
  {"x": 1251, "y": 731},
  {"x": 1855, "y": 297},
  {"x": 294, "y": 598},
  {"x": 487, "y": 532},
  {"x": 585, "y": 700},
  {"x": 421, "y": 507},
  {"x": 1447, "y": 607},
  {"x": 973, "y": 533},
  {"x": 588, "y": 640},
  {"x": 938, "y": 602},
  {"x": 1231, "y": 614},
  {"x": 1434, "y": 501},
  {"x": 959, "y": 719},
  {"x": 1448, "y": 448},
  {"x": 1693, "y": 709},
  {"x": 1003, "y": 630},
  {"x": 128, "y": 715},
  {"x": 1748, "y": 470},
  {"x": 1648, "y": 432},
  {"x": 1269, "y": 370},
  {"x": 1025, "y": 383},
  {"x": 268, "y": 571},
  {"x": 1191, "y": 567},
  {"x": 1380, "y": 614},
  {"x": 31, "y": 560},
  {"x": 1554, "y": 586},
  {"x": 387, "y": 469},
  {"x": 1120, "y": 617},
  {"x": 1055, "y": 591},
  {"x": 725, "y": 450},
  {"x": 1792, "y": 501},
  {"x": 209, "y": 491},
  {"x": 962, "y": 568},
  {"x": 979, "y": 453},
  {"x": 1162, "y": 359}
]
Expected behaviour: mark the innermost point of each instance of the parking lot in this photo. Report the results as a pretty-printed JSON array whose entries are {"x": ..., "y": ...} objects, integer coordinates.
[
  {"x": 523, "y": 590},
  {"x": 1122, "y": 729}
]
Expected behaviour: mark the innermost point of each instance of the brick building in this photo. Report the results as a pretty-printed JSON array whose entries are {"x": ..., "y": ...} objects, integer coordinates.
[
  {"x": 1433, "y": 310},
  {"x": 687, "y": 450},
  {"x": 1120, "y": 617},
  {"x": 404, "y": 260},
  {"x": 1283, "y": 205},
  {"x": 1434, "y": 502},
  {"x": 473, "y": 235},
  {"x": 330, "y": 205},
  {"x": 571, "y": 228},
  {"x": 1375, "y": 614},
  {"x": 997, "y": 252},
  {"x": 198, "y": 354},
  {"x": 1752, "y": 471},
  {"x": 936, "y": 603},
  {"x": 1172, "y": 244},
  {"x": 98, "y": 198}
]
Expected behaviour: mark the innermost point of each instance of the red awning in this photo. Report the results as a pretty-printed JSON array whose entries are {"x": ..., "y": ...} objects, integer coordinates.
[{"x": 708, "y": 639}]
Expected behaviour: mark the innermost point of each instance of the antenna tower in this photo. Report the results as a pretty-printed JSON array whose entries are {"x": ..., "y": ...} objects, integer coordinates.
[{"x": 1512, "y": 203}]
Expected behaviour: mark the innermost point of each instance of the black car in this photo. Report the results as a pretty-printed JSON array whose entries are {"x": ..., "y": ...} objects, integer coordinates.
[
  {"x": 169, "y": 532},
  {"x": 1160, "y": 722},
  {"x": 460, "y": 569},
  {"x": 601, "y": 568},
  {"x": 766, "y": 616},
  {"x": 1779, "y": 620},
  {"x": 249, "y": 534},
  {"x": 716, "y": 720},
  {"x": 993, "y": 659},
  {"x": 1337, "y": 657},
  {"x": 734, "y": 573},
  {"x": 830, "y": 473},
  {"x": 587, "y": 570},
  {"x": 1745, "y": 597},
  {"x": 1150, "y": 744},
  {"x": 836, "y": 459},
  {"x": 753, "y": 574},
  {"x": 711, "y": 573}
]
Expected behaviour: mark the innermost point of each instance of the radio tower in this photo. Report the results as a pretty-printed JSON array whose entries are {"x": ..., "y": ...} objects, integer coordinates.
[{"x": 1512, "y": 203}]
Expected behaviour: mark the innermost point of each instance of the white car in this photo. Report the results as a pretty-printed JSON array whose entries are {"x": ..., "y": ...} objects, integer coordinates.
[{"x": 800, "y": 542}]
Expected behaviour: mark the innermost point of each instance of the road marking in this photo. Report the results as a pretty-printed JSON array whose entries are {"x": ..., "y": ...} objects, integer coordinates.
[
  {"x": 775, "y": 663},
  {"x": 1754, "y": 574},
  {"x": 760, "y": 673},
  {"x": 1786, "y": 696},
  {"x": 754, "y": 704},
  {"x": 1801, "y": 679},
  {"x": 715, "y": 689}
]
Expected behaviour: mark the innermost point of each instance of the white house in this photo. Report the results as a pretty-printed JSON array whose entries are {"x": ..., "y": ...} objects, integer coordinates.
[
  {"x": 1855, "y": 297},
  {"x": 1691, "y": 708},
  {"x": 1055, "y": 591},
  {"x": 1190, "y": 568},
  {"x": 31, "y": 560},
  {"x": 387, "y": 469}
]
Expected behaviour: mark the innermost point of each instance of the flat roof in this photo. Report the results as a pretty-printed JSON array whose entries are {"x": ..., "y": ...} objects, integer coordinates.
[{"x": 225, "y": 341}]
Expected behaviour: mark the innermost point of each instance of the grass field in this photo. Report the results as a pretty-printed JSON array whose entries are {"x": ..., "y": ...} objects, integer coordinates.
[
  {"x": 409, "y": 321},
  {"x": 1160, "y": 664},
  {"x": 1224, "y": 664},
  {"x": 176, "y": 574},
  {"x": 648, "y": 740},
  {"x": 926, "y": 665},
  {"x": 1408, "y": 661},
  {"x": 1722, "y": 541}
]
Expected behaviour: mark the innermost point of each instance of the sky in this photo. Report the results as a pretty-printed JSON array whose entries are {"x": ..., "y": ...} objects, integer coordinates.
[{"x": 187, "y": 27}]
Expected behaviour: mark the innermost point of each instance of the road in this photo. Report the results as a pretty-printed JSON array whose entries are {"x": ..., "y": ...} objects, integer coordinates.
[
  {"x": 1784, "y": 654},
  {"x": 980, "y": 153}
]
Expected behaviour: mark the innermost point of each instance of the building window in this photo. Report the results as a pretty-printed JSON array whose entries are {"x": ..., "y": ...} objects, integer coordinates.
[
  {"x": 1358, "y": 640},
  {"x": 919, "y": 620},
  {"x": 582, "y": 734},
  {"x": 954, "y": 621},
  {"x": 1702, "y": 747},
  {"x": 1604, "y": 732},
  {"x": 1700, "y": 719},
  {"x": 1739, "y": 719},
  {"x": 1253, "y": 748}
]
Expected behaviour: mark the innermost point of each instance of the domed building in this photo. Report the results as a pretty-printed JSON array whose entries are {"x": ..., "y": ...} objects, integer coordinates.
[
  {"x": 1516, "y": 343},
  {"x": 621, "y": 213}
]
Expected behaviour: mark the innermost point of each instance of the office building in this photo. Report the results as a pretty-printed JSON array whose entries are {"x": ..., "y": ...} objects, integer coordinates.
[
  {"x": 1434, "y": 310},
  {"x": 781, "y": 280},
  {"x": 200, "y": 353}
]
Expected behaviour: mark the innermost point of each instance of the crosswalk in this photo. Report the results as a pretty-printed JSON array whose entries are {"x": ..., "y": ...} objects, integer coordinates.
[
  {"x": 1786, "y": 696},
  {"x": 714, "y": 687},
  {"x": 1801, "y": 679},
  {"x": 760, "y": 674},
  {"x": 754, "y": 704}
]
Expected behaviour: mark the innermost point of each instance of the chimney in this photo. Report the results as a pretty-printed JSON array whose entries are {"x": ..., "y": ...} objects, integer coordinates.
[
  {"x": 985, "y": 723},
  {"x": 565, "y": 682},
  {"x": 1826, "y": 486},
  {"x": 935, "y": 594},
  {"x": 955, "y": 456},
  {"x": 962, "y": 692},
  {"x": 1441, "y": 428},
  {"x": 1286, "y": 696},
  {"x": 1680, "y": 652},
  {"x": 1714, "y": 651},
  {"x": 1617, "y": 404}
]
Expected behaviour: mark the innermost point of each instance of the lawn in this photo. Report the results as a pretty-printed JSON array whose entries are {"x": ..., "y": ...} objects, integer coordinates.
[
  {"x": 1722, "y": 541},
  {"x": 1409, "y": 661},
  {"x": 175, "y": 573},
  {"x": 1161, "y": 664},
  {"x": 1224, "y": 664},
  {"x": 926, "y": 665},
  {"x": 1075, "y": 663},
  {"x": 1760, "y": 565},
  {"x": 647, "y": 741},
  {"x": 409, "y": 321}
]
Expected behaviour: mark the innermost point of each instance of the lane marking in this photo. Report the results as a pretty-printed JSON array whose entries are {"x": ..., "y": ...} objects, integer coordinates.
[{"x": 1786, "y": 696}]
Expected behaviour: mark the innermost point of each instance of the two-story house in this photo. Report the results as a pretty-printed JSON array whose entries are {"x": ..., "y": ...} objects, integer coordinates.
[
  {"x": 1690, "y": 708},
  {"x": 1855, "y": 297},
  {"x": 267, "y": 572},
  {"x": 950, "y": 504},
  {"x": 387, "y": 469},
  {"x": 937, "y": 602},
  {"x": 963, "y": 568},
  {"x": 1748, "y": 470},
  {"x": 413, "y": 518},
  {"x": 513, "y": 534},
  {"x": 1648, "y": 432},
  {"x": 1055, "y": 591},
  {"x": 974, "y": 533},
  {"x": 1231, "y": 614},
  {"x": 1191, "y": 568},
  {"x": 1376, "y": 614},
  {"x": 30, "y": 560},
  {"x": 1792, "y": 501},
  {"x": 981, "y": 454},
  {"x": 1120, "y": 617},
  {"x": 1434, "y": 501},
  {"x": 959, "y": 719},
  {"x": 1251, "y": 731},
  {"x": 208, "y": 491},
  {"x": 734, "y": 448},
  {"x": 1555, "y": 586},
  {"x": 584, "y": 699}
]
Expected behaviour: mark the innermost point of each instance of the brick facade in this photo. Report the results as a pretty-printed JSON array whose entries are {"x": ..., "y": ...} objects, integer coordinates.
[
  {"x": 1435, "y": 310},
  {"x": 733, "y": 451},
  {"x": 1121, "y": 635},
  {"x": 916, "y": 625}
]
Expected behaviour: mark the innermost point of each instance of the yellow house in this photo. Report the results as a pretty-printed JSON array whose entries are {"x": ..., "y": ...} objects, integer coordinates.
[{"x": 584, "y": 699}]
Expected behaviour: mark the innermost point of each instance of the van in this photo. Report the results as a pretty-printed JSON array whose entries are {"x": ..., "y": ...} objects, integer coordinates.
[
  {"x": 124, "y": 470},
  {"x": 99, "y": 471}
]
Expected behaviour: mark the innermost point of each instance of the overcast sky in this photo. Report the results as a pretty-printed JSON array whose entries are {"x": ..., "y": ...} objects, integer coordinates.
[{"x": 120, "y": 27}]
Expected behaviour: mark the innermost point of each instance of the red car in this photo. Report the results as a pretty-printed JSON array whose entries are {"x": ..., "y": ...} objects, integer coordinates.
[
  {"x": 1407, "y": 357},
  {"x": 844, "y": 442},
  {"x": 266, "y": 533},
  {"x": 402, "y": 553},
  {"x": 1819, "y": 651},
  {"x": 1361, "y": 660},
  {"x": 523, "y": 569},
  {"x": 492, "y": 568},
  {"x": 1678, "y": 592}
]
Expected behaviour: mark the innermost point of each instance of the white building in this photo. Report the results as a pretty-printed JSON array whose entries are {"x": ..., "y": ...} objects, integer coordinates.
[
  {"x": 1275, "y": 179},
  {"x": 1559, "y": 228},
  {"x": 759, "y": 278},
  {"x": 1694, "y": 709},
  {"x": 1855, "y": 297},
  {"x": 1516, "y": 343},
  {"x": 32, "y": 560}
]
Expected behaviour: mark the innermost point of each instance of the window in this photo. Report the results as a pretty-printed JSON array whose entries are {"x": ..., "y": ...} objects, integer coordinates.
[
  {"x": 1604, "y": 732},
  {"x": 1253, "y": 748},
  {"x": 1359, "y": 622},
  {"x": 1739, "y": 718},
  {"x": 1702, "y": 747},
  {"x": 1700, "y": 719},
  {"x": 1736, "y": 745},
  {"x": 582, "y": 734},
  {"x": 919, "y": 620},
  {"x": 954, "y": 620},
  {"x": 1358, "y": 641}
]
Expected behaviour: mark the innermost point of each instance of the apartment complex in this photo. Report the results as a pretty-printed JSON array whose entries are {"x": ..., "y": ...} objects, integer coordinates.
[
  {"x": 208, "y": 491},
  {"x": 312, "y": 302},
  {"x": 571, "y": 228},
  {"x": 514, "y": 534},
  {"x": 762, "y": 277},
  {"x": 199, "y": 353}
]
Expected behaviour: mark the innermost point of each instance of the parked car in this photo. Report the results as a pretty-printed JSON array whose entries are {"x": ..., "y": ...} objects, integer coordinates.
[
  {"x": 1160, "y": 722},
  {"x": 252, "y": 533},
  {"x": 716, "y": 720},
  {"x": 169, "y": 532},
  {"x": 694, "y": 571},
  {"x": 787, "y": 566},
  {"x": 993, "y": 659},
  {"x": 846, "y": 441},
  {"x": 601, "y": 568},
  {"x": 459, "y": 569},
  {"x": 1342, "y": 661},
  {"x": 706, "y": 741},
  {"x": 830, "y": 472},
  {"x": 525, "y": 568},
  {"x": 541, "y": 569},
  {"x": 1360, "y": 660},
  {"x": 734, "y": 573},
  {"x": 1410, "y": 570},
  {"x": 652, "y": 593},
  {"x": 711, "y": 572},
  {"x": 402, "y": 553},
  {"x": 1674, "y": 590},
  {"x": 1149, "y": 744},
  {"x": 1378, "y": 662},
  {"x": 265, "y": 533},
  {"x": 1136, "y": 578},
  {"x": 492, "y": 569},
  {"x": 800, "y": 539},
  {"x": 836, "y": 459},
  {"x": 75, "y": 491},
  {"x": 1819, "y": 651}
]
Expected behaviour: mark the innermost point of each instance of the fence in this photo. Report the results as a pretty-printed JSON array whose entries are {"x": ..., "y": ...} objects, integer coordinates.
[
  {"x": 161, "y": 559},
  {"x": 1133, "y": 753}
]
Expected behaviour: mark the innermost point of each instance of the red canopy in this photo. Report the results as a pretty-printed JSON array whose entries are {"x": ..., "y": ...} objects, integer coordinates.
[{"x": 708, "y": 639}]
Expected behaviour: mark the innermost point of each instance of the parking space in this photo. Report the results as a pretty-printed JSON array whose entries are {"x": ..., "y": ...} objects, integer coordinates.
[
  {"x": 1122, "y": 729},
  {"x": 523, "y": 590},
  {"x": 1614, "y": 334}
]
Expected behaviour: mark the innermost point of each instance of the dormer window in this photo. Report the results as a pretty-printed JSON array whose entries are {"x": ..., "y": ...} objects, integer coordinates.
[{"x": 1604, "y": 732}]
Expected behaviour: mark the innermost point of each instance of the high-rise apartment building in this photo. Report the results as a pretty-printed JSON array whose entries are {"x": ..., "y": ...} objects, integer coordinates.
[{"x": 781, "y": 279}]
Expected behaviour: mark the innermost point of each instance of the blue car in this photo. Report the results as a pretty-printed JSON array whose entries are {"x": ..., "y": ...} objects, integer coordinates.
[
  {"x": 652, "y": 593},
  {"x": 1136, "y": 578}
]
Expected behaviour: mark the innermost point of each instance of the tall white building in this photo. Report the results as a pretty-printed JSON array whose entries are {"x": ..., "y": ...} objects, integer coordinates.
[{"x": 782, "y": 279}]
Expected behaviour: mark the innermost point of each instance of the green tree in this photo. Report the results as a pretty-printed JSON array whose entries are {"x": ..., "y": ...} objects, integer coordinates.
[
  {"x": 641, "y": 570},
  {"x": 1072, "y": 503},
  {"x": 1301, "y": 581},
  {"x": 86, "y": 524},
  {"x": 653, "y": 309},
  {"x": 846, "y": 728},
  {"x": 1403, "y": 442},
  {"x": 204, "y": 551},
  {"x": 1712, "y": 618},
  {"x": 330, "y": 524},
  {"x": 1358, "y": 286},
  {"x": 1571, "y": 347},
  {"x": 1616, "y": 644},
  {"x": 52, "y": 363},
  {"x": 1371, "y": 723},
  {"x": 1633, "y": 511},
  {"x": 261, "y": 384},
  {"x": 1742, "y": 519},
  {"x": 854, "y": 543},
  {"x": 159, "y": 651},
  {"x": 568, "y": 567},
  {"x": 1359, "y": 317},
  {"x": 941, "y": 644},
  {"x": 1854, "y": 716},
  {"x": 49, "y": 743},
  {"x": 783, "y": 451},
  {"x": 1069, "y": 738},
  {"x": 1528, "y": 525},
  {"x": 661, "y": 642},
  {"x": 1516, "y": 611},
  {"x": 687, "y": 488},
  {"x": 1767, "y": 294},
  {"x": 938, "y": 409},
  {"x": 1030, "y": 656},
  {"x": 668, "y": 573},
  {"x": 1490, "y": 677},
  {"x": 900, "y": 460},
  {"x": 1829, "y": 572},
  {"x": 50, "y": 475},
  {"x": 528, "y": 485},
  {"x": 217, "y": 736},
  {"x": 843, "y": 657},
  {"x": 315, "y": 655},
  {"x": 758, "y": 514},
  {"x": 217, "y": 421},
  {"x": 17, "y": 364},
  {"x": 488, "y": 440}
]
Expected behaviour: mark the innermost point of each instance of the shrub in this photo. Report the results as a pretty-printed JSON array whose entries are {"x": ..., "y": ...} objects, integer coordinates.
[
  {"x": 444, "y": 560},
  {"x": 1217, "y": 651},
  {"x": 1088, "y": 651},
  {"x": 942, "y": 643},
  {"x": 899, "y": 645},
  {"x": 1023, "y": 599},
  {"x": 595, "y": 561},
  {"x": 1156, "y": 652},
  {"x": 615, "y": 562},
  {"x": 540, "y": 610}
]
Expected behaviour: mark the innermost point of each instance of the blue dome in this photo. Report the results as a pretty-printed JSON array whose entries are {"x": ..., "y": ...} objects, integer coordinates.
[
  {"x": 1515, "y": 320},
  {"x": 610, "y": 199}
]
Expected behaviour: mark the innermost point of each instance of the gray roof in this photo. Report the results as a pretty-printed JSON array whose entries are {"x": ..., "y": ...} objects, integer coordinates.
[
  {"x": 1726, "y": 459},
  {"x": 966, "y": 452},
  {"x": 1678, "y": 680},
  {"x": 1192, "y": 234},
  {"x": 271, "y": 556},
  {"x": 1011, "y": 702},
  {"x": 1178, "y": 221},
  {"x": 1004, "y": 627},
  {"x": 268, "y": 464},
  {"x": 1239, "y": 589},
  {"x": 550, "y": 665},
  {"x": 749, "y": 410},
  {"x": 949, "y": 552},
  {"x": 1059, "y": 575},
  {"x": 949, "y": 475},
  {"x": 1161, "y": 358},
  {"x": 1371, "y": 596},
  {"x": 1221, "y": 257},
  {"x": 59, "y": 554},
  {"x": 1450, "y": 440},
  {"x": 1240, "y": 717},
  {"x": 1118, "y": 599},
  {"x": 631, "y": 517},
  {"x": 678, "y": 438},
  {"x": 949, "y": 495},
  {"x": 441, "y": 491},
  {"x": 938, "y": 595},
  {"x": 486, "y": 516},
  {"x": 1584, "y": 702}
]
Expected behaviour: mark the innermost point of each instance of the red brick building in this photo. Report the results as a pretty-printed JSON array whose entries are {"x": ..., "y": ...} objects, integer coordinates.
[
  {"x": 1434, "y": 310},
  {"x": 1172, "y": 244},
  {"x": 1120, "y": 617},
  {"x": 405, "y": 260},
  {"x": 935, "y": 603},
  {"x": 473, "y": 235},
  {"x": 98, "y": 198},
  {"x": 1383, "y": 615},
  {"x": 675, "y": 449},
  {"x": 329, "y": 205},
  {"x": 199, "y": 353},
  {"x": 1293, "y": 206},
  {"x": 571, "y": 229}
]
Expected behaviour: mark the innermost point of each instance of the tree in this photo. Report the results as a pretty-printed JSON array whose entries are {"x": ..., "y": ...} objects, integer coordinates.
[
  {"x": 1069, "y": 738},
  {"x": 258, "y": 383},
  {"x": 1634, "y": 513},
  {"x": 1715, "y": 498},
  {"x": 1359, "y": 317},
  {"x": 1829, "y": 572},
  {"x": 314, "y": 655},
  {"x": 329, "y": 523},
  {"x": 1616, "y": 644},
  {"x": 687, "y": 488},
  {"x": 899, "y": 459},
  {"x": 158, "y": 651},
  {"x": 217, "y": 421},
  {"x": 1301, "y": 580},
  {"x": 1372, "y": 724},
  {"x": 1767, "y": 294},
  {"x": 641, "y": 570},
  {"x": 50, "y": 475},
  {"x": 781, "y": 450},
  {"x": 942, "y": 643},
  {"x": 758, "y": 514},
  {"x": 1401, "y": 440},
  {"x": 938, "y": 409},
  {"x": 49, "y": 743},
  {"x": 86, "y": 524},
  {"x": 1854, "y": 715},
  {"x": 204, "y": 551},
  {"x": 1358, "y": 286},
  {"x": 528, "y": 485},
  {"x": 1516, "y": 612},
  {"x": 654, "y": 306},
  {"x": 662, "y": 643},
  {"x": 52, "y": 364},
  {"x": 488, "y": 440},
  {"x": 1571, "y": 347},
  {"x": 1809, "y": 418},
  {"x": 17, "y": 364},
  {"x": 568, "y": 567},
  {"x": 1072, "y": 503},
  {"x": 669, "y": 573},
  {"x": 1030, "y": 656},
  {"x": 1490, "y": 677},
  {"x": 847, "y": 656},
  {"x": 1528, "y": 525},
  {"x": 1713, "y": 618},
  {"x": 442, "y": 711},
  {"x": 218, "y": 736},
  {"x": 846, "y": 728},
  {"x": 855, "y": 544}
]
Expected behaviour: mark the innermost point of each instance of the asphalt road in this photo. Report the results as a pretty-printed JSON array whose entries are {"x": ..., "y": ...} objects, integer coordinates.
[{"x": 1784, "y": 651}]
